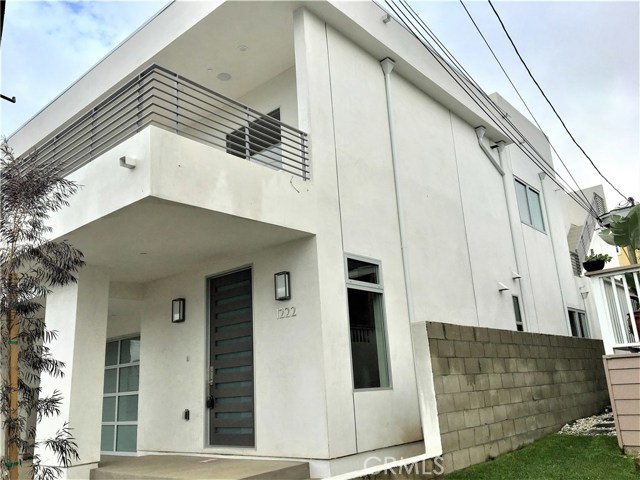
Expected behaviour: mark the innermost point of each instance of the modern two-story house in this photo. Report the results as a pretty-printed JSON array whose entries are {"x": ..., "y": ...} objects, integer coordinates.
[{"x": 278, "y": 199}]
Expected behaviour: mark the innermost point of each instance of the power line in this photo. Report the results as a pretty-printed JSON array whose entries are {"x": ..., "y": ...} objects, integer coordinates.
[
  {"x": 593, "y": 212},
  {"x": 586, "y": 205},
  {"x": 462, "y": 79},
  {"x": 464, "y": 75},
  {"x": 549, "y": 101}
]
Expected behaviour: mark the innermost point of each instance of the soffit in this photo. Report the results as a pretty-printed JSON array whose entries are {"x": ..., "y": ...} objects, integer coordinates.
[
  {"x": 214, "y": 45},
  {"x": 154, "y": 238}
]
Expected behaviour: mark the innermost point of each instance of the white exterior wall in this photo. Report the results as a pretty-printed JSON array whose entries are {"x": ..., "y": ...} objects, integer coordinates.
[
  {"x": 547, "y": 278},
  {"x": 316, "y": 115},
  {"x": 370, "y": 229},
  {"x": 279, "y": 92},
  {"x": 289, "y": 381},
  {"x": 78, "y": 312}
]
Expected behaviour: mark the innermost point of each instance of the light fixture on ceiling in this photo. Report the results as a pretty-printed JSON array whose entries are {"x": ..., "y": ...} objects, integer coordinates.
[
  {"x": 243, "y": 48},
  {"x": 224, "y": 76}
]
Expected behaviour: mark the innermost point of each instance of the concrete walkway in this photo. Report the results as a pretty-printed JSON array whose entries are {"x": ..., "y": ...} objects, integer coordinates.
[{"x": 180, "y": 467}]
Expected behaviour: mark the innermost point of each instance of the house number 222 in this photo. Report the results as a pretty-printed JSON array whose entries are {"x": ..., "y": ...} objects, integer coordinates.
[{"x": 286, "y": 312}]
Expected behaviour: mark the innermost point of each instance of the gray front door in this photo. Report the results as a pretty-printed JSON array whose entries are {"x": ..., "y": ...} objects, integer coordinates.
[{"x": 230, "y": 399}]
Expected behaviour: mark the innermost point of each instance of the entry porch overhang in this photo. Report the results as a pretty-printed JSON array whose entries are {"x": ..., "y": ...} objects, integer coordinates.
[{"x": 155, "y": 238}]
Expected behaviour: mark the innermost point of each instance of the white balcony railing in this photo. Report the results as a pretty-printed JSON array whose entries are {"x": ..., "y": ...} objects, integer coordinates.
[
  {"x": 167, "y": 100},
  {"x": 615, "y": 293}
]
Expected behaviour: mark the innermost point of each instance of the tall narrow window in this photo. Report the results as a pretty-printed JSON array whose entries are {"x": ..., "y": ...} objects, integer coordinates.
[
  {"x": 529, "y": 205},
  {"x": 120, "y": 397},
  {"x": 518, "y": 314},
  {"x": 366, "y": 319}
]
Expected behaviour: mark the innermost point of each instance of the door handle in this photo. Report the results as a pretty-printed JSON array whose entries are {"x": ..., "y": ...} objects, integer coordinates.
[{"x": 210, "y": 402}]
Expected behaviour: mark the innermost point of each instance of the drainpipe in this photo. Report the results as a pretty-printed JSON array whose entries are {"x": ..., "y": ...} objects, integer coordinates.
[
  {"x": 387, "y": 66},
  {"x": 480, "y": 132},
  {"x": 542, "y": 176}
]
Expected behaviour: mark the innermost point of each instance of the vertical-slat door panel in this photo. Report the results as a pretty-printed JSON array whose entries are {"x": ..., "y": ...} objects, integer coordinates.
[{"x": 231, "y": 414}]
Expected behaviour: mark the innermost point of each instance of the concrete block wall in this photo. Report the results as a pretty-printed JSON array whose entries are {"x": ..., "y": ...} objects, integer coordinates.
[{"x": 497, "y": 390}]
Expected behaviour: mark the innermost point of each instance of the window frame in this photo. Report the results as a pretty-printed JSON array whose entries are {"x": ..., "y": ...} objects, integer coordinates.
[
  {"x": 117, "y": 394},
  {"x": 529, "y": 190},
  {"x": 373, "y": 288},
  {"x": 582, "y": 323},
  {"x": 515, "y": 300}
]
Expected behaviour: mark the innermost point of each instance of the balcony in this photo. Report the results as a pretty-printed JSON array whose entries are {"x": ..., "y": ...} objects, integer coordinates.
[
  {"x": 167, "y": 100},
  {"x": 615, "y": 293}
]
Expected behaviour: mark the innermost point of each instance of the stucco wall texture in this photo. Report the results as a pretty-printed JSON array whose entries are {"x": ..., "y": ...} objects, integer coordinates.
[{"x": 498, "y": 389}]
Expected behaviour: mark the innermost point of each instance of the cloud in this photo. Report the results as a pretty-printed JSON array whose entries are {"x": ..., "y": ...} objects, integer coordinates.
[{"x": 46, "y": 46}]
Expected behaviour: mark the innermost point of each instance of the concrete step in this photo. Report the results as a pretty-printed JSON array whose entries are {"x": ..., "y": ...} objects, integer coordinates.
[{"x": 183, "y": 467}]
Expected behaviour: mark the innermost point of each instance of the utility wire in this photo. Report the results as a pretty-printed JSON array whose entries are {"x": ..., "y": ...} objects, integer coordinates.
[
  {"x": 462, "y": 80},
  {"x": 578, "y": 189},
  {"x": 464, "y": 75},
  {"x": 549, "y": 102},
  {"x": 586, "y": 205}
]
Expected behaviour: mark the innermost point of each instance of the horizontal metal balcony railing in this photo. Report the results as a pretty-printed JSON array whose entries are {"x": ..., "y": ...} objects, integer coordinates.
[
  {"x": 616, "y": 295},
  {"x": 167, "y": 100}
]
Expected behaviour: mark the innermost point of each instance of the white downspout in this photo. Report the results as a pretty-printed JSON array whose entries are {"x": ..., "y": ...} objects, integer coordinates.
[
  {"x": 480, "y": 131},
  {"x": 387, "y": 66},
  {"x": 424, "y": 386}
]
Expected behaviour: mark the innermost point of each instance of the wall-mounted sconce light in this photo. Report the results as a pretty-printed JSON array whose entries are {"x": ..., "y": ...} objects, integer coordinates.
[
  {"x": 177, "y": 310},
  {"x": 584, "y": 295},
  {"x": 515, "y": 275},
  {"x": 129, "y": 163},
  {"x": 502, "y": 287},
  {"x": 282, "y": 284}
]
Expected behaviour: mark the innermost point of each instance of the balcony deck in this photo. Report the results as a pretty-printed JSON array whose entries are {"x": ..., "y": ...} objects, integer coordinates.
[{"x": 167, "y": 100}]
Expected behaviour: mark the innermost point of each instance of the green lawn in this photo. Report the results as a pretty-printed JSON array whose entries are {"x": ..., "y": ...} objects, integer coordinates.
[{"x": 562, "y": 457}]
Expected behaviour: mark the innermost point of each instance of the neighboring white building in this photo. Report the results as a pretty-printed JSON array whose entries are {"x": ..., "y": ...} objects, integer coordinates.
[{"x": 339, "y": 141}]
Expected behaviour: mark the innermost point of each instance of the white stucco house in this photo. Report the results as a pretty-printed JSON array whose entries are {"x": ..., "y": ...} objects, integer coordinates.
[{"x": 225, "y": 143}]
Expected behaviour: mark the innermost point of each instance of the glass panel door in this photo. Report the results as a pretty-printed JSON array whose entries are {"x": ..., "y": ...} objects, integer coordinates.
[{"x": 120, "y": 396}]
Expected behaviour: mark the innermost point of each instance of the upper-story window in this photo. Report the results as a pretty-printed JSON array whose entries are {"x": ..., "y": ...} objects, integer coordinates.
[
  {"x": 529, "y": 205},
  {"x": 260, "y": 141}
]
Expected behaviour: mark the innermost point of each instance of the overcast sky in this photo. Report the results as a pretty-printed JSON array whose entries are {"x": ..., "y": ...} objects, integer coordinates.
[{"x": 585, "y": 55}]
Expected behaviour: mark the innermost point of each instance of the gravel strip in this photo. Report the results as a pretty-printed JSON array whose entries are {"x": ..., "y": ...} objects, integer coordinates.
[{"x": 602, "y": 424}]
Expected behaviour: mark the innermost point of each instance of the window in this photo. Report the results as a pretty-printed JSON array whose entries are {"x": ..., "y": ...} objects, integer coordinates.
[
  {"x": 120, "y": 396},
  {"x": 260, "y": 142},
  {"x": 366, "y": 320},
  {"x": 529, "y": 205},
  {"x": 578, "y": 323},
  {"x": 518, "y": 314}
]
